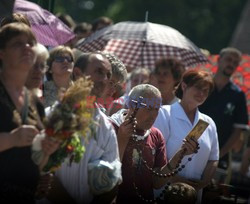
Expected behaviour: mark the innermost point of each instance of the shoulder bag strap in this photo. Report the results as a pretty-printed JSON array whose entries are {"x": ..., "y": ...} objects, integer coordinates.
[{"x": 25, "y": 109}]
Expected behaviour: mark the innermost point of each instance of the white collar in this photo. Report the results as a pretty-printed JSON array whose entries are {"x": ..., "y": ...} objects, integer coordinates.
[{"x": 177, "y": 111}]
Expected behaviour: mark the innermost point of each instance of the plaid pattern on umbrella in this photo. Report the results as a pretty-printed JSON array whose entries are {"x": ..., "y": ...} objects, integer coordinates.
[
  {"x": 141, "y": 44},
  {"x": 49, "y": 30}
]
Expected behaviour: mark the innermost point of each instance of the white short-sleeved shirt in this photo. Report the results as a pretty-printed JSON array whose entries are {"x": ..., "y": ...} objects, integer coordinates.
[
  {"x": 174, "y": 124},
  {"x": 103, "y": 147}
]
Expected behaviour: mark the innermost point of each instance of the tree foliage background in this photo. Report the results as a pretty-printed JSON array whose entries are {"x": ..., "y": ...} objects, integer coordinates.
[{"x": 208, "y": 23}]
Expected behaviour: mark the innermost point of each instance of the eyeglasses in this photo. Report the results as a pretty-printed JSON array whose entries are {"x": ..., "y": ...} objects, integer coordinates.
[
  {"x": 61, "y": 59},
  {"x": 41, "y": 67}
]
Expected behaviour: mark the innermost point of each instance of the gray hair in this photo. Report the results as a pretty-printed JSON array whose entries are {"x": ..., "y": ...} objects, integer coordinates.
[
  {"x": 41, "y": 50},
  {"x": 147, "y": 91},
  {"x": 119, "y": 70},
  {"x": 230, "y": 50},
  {"x": 140, "y": 70}
]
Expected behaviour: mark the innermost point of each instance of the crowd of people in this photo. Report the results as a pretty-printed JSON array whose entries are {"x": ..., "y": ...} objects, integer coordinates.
[{"x": 140, "y": 150}]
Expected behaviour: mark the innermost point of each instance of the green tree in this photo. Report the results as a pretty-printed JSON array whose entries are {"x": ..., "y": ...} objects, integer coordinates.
[{"x": 208, "y": 23}]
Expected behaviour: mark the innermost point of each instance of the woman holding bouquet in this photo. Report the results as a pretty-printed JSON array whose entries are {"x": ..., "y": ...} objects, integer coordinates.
[{"x": 20, "y": 121}]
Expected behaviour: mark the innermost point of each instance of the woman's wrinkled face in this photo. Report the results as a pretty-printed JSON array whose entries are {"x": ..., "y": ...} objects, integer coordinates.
[
  {"x": 19, "y": 53},
  {"x": 36, "y": 74}
]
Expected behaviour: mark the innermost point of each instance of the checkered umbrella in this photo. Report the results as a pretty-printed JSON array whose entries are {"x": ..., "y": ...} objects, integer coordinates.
[
  {"x": 142, "y": 43},
  {"x": 49, "y": 29}
]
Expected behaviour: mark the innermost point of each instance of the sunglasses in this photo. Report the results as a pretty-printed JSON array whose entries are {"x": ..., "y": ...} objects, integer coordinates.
[{"x": 62, "y": 59}]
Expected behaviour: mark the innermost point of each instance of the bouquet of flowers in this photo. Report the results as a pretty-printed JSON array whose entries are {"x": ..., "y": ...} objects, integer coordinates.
[{"x": 69, "y": 121}]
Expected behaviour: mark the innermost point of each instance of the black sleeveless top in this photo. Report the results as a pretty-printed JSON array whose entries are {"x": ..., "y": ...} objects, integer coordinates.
[{"x": 19, "y": 175}]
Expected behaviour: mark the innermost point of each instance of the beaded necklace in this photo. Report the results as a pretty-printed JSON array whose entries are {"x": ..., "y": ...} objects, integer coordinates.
[
  {"x": 137, "y": 138},
  {"x": 172, "y": 173}
]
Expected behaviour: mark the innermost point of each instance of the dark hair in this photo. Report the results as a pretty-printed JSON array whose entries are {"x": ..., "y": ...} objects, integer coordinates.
[
  {"x": 66, "y": 19},
  {"x": 55, "y": 52},
  {"x": 16, "y": 17},
  {"x": 176, "y": 67},
  {"x": 195, "y": 77},
  {"x": 106, "y": 21},
  {"x": 12, "y": 30},
  {"x": 82, "y": 28},
  {"x": 82, "y": 61}
]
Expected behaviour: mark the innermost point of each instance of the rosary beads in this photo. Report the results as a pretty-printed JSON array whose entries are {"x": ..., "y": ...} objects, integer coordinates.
[{"x": 173, "y": 172}]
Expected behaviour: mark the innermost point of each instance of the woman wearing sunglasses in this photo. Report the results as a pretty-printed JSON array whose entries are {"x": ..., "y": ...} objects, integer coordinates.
[{"x": 60, "y": 67}]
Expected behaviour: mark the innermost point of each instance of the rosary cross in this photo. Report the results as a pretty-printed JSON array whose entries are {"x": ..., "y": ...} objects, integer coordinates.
[{"x": 137, "y": 104}]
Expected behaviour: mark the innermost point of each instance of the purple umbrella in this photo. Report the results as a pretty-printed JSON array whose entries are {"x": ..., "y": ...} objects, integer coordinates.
[{"x": 49, "y": 30}]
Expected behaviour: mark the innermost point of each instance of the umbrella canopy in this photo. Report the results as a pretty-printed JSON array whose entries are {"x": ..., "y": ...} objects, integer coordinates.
[
  {"x": 142, "y": 43},
  {"x": 241, "y": 76},
  {"x": 49, "y": 30}
]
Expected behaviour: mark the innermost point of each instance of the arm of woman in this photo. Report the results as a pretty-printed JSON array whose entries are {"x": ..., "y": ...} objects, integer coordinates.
[
  {"x": 7, "y": 141},
  {"x": 19, "y": 137},
  {"x": 189, "y": 147},
  {"x": 158, "y": 182},
  {"x": 207, "y": 175}
]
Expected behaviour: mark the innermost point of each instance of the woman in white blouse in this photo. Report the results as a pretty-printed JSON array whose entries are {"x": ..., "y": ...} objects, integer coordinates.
[{"x": 177, "y": 120}]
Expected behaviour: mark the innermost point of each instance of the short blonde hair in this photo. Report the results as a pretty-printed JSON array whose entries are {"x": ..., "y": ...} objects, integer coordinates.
[{"x": 55, "y": 52}]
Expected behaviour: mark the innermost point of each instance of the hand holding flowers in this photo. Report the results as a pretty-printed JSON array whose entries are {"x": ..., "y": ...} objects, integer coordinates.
[{"x": 68, "y": 125}]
